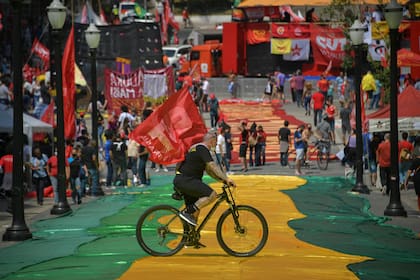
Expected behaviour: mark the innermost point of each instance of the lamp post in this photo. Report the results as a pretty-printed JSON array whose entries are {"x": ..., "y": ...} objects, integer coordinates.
[
  {"x": 93, "y": 36},
  {"x": 57, "y": 16},
  {"x": 19, "y": 230},
  {"x": 393, "y": 16},
  {"x": 356, "y": 35}
]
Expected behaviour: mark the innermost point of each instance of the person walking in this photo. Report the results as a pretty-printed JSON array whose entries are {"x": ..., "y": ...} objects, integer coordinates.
[
  {"x": 331, "y": 114},
  {"x": 39, "y": 173},
  {"x": 76, "y": 169},
  {"x": 383, "y": 155},
  {"x": 414, "y": 173},
  {"x": 229, "y": 148},
  {"x": 307, "y": 97},
  {"x": 119, "y": 161},
  {"x": 221, "y": 149},
  {"x": 284, "y": 136},
  {"x": 214, "y": 110},
  {"x": 90, "y": 161},
  {"x": 243, "y": 146},
  {"x": 132, "y": 157},
  {"x": 318, "y": 100},
  {"x": 109, "y": 135},
  {"x": 369, "y": 85},
  {"x": 280, "y": 79},
  {"x": 373, "y": 163},
  {"x": 143, "y": 157},
  {"x": 345, "y": 113},
  {"x": 52, "y": 170},
  {"x": 299, "y": 84},
  {"x": 300, "y": 149},
  {"x": 405, "y": 150},
  {"x": 260, "y": 146}
]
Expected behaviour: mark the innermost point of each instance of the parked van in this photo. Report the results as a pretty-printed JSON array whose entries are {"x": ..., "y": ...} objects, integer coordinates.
[{"x": 173, "y": 54}]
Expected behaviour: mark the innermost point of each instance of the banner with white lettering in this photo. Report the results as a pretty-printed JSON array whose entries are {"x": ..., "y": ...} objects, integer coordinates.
[
  {"x": 327, "y": 45},
  {"x": 124, "y": 89}
]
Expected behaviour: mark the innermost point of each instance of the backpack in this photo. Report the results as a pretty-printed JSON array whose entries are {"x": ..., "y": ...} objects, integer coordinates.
[{"x": 405, "y": 154}]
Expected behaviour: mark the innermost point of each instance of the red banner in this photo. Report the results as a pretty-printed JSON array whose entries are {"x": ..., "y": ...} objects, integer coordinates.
[
  {"x": 327, "y": 45},
  {"x": 69, "y": 87},
  {"x": 124, "y": 89},
  {"x": 258, "y": 36},
  {"x": 171, "y": 129},
  {"x": 290, "y": 30}
]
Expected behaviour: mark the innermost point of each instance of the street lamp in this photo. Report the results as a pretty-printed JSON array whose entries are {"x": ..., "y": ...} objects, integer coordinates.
[
  {"x": 57, "y": 16},
  {"x": 18, "y": 231},
  {"x": 356, "y": 35},
  {"x": 93, "y": 36},
  {"x": 393, "y": 16}
]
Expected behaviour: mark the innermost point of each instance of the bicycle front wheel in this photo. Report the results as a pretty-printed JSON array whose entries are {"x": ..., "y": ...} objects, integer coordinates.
[
  {"x": 160, "y": 231},
  {"x": 322, "y": 160},
  {"x": 242, "y": 232}
]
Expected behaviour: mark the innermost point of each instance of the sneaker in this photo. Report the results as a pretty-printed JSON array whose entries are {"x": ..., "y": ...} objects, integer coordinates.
[
  {"x": 157, "y": 170},
  {"x": 187, "y": 217},
  {"x": 165, "y": 169},
  {"x": 142, "y": 186}
]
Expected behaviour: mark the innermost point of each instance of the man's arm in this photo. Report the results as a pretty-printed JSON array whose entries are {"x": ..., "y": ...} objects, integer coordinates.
[{"x": 215, "y": 172}]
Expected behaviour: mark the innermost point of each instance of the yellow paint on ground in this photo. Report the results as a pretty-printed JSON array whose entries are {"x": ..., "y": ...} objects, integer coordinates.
[{"x": 283, "y": 257}]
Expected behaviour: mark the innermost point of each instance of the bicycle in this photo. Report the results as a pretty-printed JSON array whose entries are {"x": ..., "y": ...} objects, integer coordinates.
[
  {"x": 323, "y": 153},
  {"x": 241, "y": 230}
]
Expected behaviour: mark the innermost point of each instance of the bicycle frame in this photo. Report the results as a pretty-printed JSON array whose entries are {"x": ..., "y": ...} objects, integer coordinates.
[{"x": 227, "y": 196}]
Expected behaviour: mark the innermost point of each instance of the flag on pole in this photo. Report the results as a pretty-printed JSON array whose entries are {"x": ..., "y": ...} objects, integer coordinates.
[
  {"x": 69, "y": 87},
  {"x": 172, "y": 129}
]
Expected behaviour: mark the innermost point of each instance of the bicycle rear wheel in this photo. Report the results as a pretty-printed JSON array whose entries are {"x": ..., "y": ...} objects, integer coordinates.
[
  {"x": 160, "y": 231},
  {"x": 322, "y": 159},
  {"x": 243, "y": 232}
]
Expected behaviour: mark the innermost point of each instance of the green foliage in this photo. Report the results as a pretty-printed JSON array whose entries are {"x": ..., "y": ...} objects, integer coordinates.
[
  {"x": 340, "y": 11},
  {"x": 382, "y": 74}
]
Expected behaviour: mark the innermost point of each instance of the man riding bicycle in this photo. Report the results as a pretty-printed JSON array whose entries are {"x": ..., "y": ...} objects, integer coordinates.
[{"x": 189, "y": 174}]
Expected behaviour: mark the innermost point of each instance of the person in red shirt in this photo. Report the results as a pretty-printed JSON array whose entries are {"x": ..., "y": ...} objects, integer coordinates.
[
  {"x": 331, "y": 113},
  {"x": 404, "y": 162},
  {"x": 186, "y": 17},
  {"x": 383, "y": 156},
  {"x": 52, "y": 170},
  {"x": 323, "y": 86},
  {"x": 318, "y": 100},
  {"x": 6, "y": 164}
]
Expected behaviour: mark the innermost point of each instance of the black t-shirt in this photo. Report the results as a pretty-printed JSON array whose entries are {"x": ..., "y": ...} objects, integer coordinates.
[
  {"x": 284, "y": 134},
  {"x": 75, "y": 166},
  {"x": 195, "y": 161},
  {"x": 146, "y": 113},
  {"x": 118, "y": 149},
  {"x": 87, "y": 157}
]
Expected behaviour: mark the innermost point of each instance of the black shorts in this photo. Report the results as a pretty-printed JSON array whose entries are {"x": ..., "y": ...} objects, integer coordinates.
[
  {"x": 242, "y": 150},
  {"x": 192, "y": 188},
  {"x": 280, "y": 89}
]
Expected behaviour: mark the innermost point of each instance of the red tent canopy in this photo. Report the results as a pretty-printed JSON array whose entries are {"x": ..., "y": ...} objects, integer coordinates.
[
  {"x": 408, "y": 113},
  {"x": 408, "y": 58}
]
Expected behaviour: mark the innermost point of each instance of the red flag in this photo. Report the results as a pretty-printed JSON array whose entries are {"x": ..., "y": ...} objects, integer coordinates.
[
  {"x": 48, "y": 114},
  {"x": 171, "y": 130},
  {"x": 170, "y": 19},
  {"x": 69, "y": 87},
  {"x": 42, "y": 51}
]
